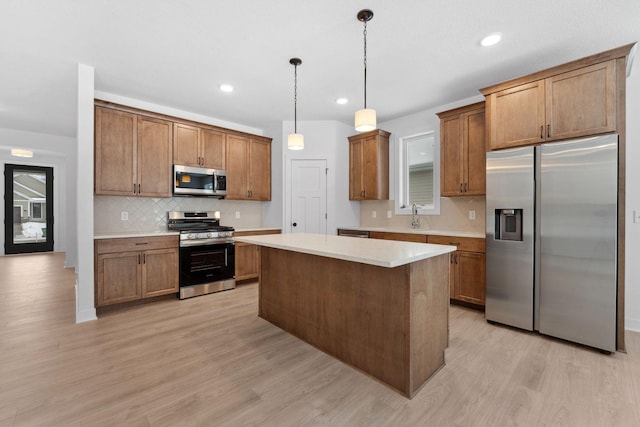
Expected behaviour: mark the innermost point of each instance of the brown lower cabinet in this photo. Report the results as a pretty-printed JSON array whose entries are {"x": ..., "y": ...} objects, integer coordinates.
[
  {"x": 467, "y": 274},
  {"x": 247, "y": 256},
  {"x": 467, "y": 264},
  {"x": 130, "y": 269},
  {"x": 404, "y": 237}
]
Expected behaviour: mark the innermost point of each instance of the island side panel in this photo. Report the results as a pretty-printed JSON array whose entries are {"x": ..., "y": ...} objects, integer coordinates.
[
  {"x": 355, "y": 312},
  {"x": 429, "y": 322}
]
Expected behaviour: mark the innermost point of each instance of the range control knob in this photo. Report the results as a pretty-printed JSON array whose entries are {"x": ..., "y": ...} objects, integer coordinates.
[
  {"x": 211, "y": 235},
  {"x": 191, "y": 236}
]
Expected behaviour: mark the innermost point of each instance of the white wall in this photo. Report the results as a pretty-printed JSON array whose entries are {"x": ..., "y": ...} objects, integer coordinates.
[
  {"x": 632, "y": 235},
  {"x": 273, "y": 211},
  {"x": 323, "y": 140},
  {"x": 85, "y": 309},
  {"x": 53, "y": 151}
]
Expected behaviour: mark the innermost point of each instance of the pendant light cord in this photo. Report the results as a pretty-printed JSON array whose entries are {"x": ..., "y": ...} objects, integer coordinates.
[
  {"x": 365, "y": 64},
  {"x": 295, "y": 99}
]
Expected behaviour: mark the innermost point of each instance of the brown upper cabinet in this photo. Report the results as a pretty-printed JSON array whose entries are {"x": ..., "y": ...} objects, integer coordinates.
[
  {"x": 194, "y": 146},
  {"x": 133, "y": 155},
  {"x": 462, "y": 148},
  {"x": 248, "y": 164},
  {"x": 577, "y": 99},
  {"x": 369, "y": 166}
]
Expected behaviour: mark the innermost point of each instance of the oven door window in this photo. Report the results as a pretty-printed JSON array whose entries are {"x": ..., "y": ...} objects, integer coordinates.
[
  {"x": 207, "y": 263},
  {"x": 211, "y": 259}
]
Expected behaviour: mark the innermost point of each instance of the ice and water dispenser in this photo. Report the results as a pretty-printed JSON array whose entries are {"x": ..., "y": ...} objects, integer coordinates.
[{"x": 508, "y": 224}]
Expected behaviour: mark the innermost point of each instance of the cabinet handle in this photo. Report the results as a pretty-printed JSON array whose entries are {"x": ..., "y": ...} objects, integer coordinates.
[
  {"x": 548, "y": 131},
  {"x": 138, "y": 258},
  {"x": 461, "y": 187},
  {"x": 134, "y": 188},
  {"x": 144, "y": 258},
  {"x": 465, "y": 187},
  {"x": 142, "y": 243},
  {"x": 541, "y": 131}
]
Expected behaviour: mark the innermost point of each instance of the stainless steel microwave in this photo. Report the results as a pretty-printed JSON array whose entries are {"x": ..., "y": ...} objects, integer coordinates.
[{"x": 194, "y": 181}]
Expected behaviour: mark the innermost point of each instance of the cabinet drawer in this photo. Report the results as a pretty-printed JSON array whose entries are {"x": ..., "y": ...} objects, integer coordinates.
[
  {"x": 469, "y": 244},
  {"x": 255, "y": 233},
  {"x": 405, "y": 237},
  {"x": 135, "y": 244}
]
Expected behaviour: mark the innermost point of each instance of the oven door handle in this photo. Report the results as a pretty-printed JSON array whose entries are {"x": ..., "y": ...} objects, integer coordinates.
[{"x": 204, "y": 242}]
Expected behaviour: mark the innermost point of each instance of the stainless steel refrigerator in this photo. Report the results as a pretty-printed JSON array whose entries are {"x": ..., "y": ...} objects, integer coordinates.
[{"x": 551, "y": 239}]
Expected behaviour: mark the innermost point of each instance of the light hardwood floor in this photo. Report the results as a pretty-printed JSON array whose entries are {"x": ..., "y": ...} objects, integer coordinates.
[{"x": 211, "y": 361}]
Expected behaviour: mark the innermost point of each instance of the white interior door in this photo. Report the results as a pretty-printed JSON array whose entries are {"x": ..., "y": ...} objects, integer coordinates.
[{"x": 308, "y": 196}]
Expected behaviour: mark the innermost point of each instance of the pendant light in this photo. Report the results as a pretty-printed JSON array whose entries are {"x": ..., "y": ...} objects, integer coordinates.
[
  {"x": 365, "y": 119},
  {"x": 295, "y": 140}
]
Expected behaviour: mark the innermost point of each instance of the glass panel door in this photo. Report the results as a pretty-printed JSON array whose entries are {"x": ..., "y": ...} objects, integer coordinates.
[{"x": 28, "y": 209}]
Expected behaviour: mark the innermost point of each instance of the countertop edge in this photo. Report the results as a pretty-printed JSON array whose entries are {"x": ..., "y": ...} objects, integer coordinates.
[
  {"x": 434, "y": 250},
  {"x": 453, "y": 233}
]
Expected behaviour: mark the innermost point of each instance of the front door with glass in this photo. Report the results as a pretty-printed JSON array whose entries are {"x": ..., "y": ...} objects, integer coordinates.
[{"x": 28, "y": 209}]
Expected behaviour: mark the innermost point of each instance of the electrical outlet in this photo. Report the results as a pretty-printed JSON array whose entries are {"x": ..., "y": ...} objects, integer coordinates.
[
  {"x": 237, "y": 214},
  {"x": 636, "y": 217},
  {"x": 388, "y": 214},
  {"x": 124, "y": 216},
  {"x": 374, "y": 214},
  {"x": 472, "y": 215}
]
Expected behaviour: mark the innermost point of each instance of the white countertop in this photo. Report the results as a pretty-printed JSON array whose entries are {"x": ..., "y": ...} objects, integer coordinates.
[
  {"x": 384, "y": 253},
  {"x": 127, "y": 234},
  {"x": 424, "y": 231}
]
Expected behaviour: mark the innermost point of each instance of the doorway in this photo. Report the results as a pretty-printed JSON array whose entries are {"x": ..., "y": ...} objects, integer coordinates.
[
  {"x": 309, "y": 196},
  {"x": 28, "y": 209}
]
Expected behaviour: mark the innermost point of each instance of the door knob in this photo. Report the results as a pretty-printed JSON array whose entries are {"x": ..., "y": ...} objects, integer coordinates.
[{"x": 295, "y": 224}]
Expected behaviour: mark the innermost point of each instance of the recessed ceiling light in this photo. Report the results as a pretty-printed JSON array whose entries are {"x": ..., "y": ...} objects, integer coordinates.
[
  {"x": 342, "y": 101},
  {"x": 491, "y": 39},
  {"x": 226, "y": 87}
]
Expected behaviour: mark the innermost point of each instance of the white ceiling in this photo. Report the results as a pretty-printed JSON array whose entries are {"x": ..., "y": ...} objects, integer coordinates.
[{"x": 421, "y": 54}]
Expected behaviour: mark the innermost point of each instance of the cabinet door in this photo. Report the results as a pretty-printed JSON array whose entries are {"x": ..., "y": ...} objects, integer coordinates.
[
  {"x": 581, "y": 102},
  {"x": 470, "y": 277},
  {"x": 247, "y": 260},
  {"x": 159, "y": 272},
  {"x": 119, "y": 278},
  {"x": 237, "y": 159},
  {"x": 213, "y": 146},
  {"x": 155, "y": 157},
  {"x": 259, "y": 170},
  {"x": 517, "y": 116},
  {"x": 451, "y": 155},
  {"x": 375, "y": 176},
  {"x": 356, "y": 167},
  {"x": 186, "y": 145},
  {"x": 115, "y": 155},
  {"x": 475, "y": 153}
]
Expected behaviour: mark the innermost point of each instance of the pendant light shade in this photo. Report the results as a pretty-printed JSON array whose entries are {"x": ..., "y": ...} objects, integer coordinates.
[
  {"x": 365, "y": 119},
  {"x": 295, "y": 140}
]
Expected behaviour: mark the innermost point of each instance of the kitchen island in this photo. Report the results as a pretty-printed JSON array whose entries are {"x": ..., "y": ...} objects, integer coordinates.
[{"x": 379, "y": 306}]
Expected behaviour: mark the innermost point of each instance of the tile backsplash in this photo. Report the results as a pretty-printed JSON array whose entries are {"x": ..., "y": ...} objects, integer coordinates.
[
  {"x": 149, "y": 214},
  {"x": 454, "y": 215}
]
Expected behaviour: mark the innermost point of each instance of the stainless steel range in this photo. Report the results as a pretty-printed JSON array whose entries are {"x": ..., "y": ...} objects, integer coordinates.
[{"x": 207, "y": 253}]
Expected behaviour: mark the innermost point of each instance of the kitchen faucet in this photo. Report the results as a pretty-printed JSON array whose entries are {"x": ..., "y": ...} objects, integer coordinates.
[{"x": 415, "y": 219}]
